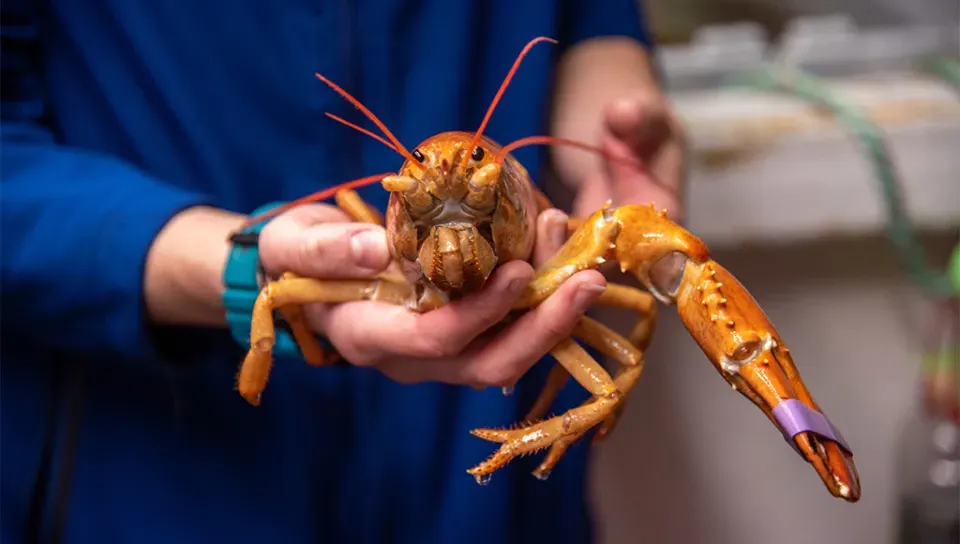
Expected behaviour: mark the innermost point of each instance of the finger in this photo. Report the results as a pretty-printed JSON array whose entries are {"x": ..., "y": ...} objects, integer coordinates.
[
  {"x": 551, "y": 234},
  {"x": 640, "y": 121},
  {"x": 323, "y": 250},
  {"x": 311, "y": 214},
  {"x": 643, "y": 186},
  {"x": 444, "y": 370},
  {"x": 367, "y": 333},
  {"x": 511, "y": 353},
  {"x": 595, "y": 190},
  {"x": 642, "y": 126}
]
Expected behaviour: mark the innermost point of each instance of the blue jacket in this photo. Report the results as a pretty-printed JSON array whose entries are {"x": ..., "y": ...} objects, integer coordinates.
[{"x": 116, "y": 115}]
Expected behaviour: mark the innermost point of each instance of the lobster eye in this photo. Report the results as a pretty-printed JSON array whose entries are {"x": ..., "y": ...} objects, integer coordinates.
[
  {"x": 477, "y": 154},
  {"x": 417, "y": 155}
]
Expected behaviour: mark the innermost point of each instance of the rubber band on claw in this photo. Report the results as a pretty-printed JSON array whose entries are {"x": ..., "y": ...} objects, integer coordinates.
[{"x": 796, "y": 417}]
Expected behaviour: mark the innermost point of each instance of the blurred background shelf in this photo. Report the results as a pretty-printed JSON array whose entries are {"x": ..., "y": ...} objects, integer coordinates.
[{"x": 773, "y": 169}]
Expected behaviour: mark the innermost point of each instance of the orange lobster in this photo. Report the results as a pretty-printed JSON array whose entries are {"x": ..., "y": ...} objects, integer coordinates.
[{"x": 461, "y": 204}]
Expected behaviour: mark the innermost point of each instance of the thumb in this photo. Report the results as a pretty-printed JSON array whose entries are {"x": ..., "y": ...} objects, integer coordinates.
[{"x": 324, "y": 250}]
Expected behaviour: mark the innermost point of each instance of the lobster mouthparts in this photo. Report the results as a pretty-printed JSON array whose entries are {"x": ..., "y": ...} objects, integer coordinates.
[{"x": 456, "y": 257}]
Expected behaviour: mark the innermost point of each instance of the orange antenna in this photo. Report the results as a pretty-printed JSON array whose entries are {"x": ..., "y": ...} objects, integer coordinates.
[
  {"x": 496, "y": 98},
  {"x": 363, "y": 130},
  {"x": 552, "y": 140},
  {"x": 316, "y": 197},
  {"x": 356, "y": 103}
]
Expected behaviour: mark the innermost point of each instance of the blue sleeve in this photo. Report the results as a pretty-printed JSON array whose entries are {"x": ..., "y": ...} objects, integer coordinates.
[
  {"x": 585, "y": 19},
  {"x": 76, "y": 225}
]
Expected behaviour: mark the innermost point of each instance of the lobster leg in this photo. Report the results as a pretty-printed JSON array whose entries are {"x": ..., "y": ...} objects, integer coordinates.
[
  {"x": 639, "y": 301},
  {"x": 588, "y": 247},
  {"x": 353, "y": 205},
  {"x": 256, "y": 367},
  {"x": 616, "y": 295},
  {"x": 532, "y": 438},
  {"x": 556, "y": 379},
  {"x": 293, "y": 291},
  {"x": 630, "y": 360},
  {"x": 310, "y": 347}
]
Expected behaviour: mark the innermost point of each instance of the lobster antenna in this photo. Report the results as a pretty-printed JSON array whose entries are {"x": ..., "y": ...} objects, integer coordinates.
[
  {"x": 362, "y": 130},
  {"x": 356, "y": 103},
  {"x": 316, "y": 197},
  {"x": 496, "y": 98},
  {"x": 553, "y": 140}
]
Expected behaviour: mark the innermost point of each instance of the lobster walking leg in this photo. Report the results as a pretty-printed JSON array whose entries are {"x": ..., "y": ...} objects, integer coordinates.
[
  {"x": 255, "y": 369},
  {"x": 292, "y": 290},
  {"x": 310, "y": 347},
  {"x": 353, "y": 205},
  {"x": 629, "y": 298},
  {"x": 533, "y": 438},
  {"x": 639, "y": 301},
  {"x": 608, "y": 342},
  {"x": 588, "y": 247},
  {"x": 616, "y": 295},
  {"x": 625, "y": 379},
  {"x": 630, "y": 359}
]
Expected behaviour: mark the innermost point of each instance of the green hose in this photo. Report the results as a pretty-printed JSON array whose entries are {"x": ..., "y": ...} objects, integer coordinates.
[
  {"x": 947, "y": 69},
  {"x": 899, "y": 229},
  {"x": 954, "y": 270}
]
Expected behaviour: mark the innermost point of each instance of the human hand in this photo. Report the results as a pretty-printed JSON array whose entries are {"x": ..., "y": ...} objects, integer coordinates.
[
  {"x": 638, "y": 127},
  {"x": 450, "y": 344}
]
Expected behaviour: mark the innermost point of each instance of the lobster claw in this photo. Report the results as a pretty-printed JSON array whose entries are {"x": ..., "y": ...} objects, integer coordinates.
[
  {"x": 735, "y": 334},
  {"x": 747, "y": 350}
]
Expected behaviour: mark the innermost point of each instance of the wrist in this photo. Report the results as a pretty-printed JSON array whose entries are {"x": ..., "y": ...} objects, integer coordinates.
[
  {"x": 243, "y": 277},
  {"x": 183, "y": 282}
]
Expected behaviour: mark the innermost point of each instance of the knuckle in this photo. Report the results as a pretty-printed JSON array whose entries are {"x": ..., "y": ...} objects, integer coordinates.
[
  {"x": 555, "y": 329},
  {"x": 317, "y": 251},
  {"x": 432, "y": 346}
]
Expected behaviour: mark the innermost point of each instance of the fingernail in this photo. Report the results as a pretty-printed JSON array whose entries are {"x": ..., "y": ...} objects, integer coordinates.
[
  {"x": 369, "y": 249},
  {"x": 558, "y": 228},
  {"x": 586, "y": 294}
]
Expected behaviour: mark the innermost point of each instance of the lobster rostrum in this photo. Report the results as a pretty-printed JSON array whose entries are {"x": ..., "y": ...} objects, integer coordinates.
[{"x": 461, "y": 204}]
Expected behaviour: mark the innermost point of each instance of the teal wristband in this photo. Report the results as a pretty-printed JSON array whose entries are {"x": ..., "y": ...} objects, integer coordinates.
[{"x": 241, "y": 279}]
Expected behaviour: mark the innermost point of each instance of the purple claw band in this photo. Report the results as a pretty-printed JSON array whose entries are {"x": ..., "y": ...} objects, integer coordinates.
[{"x": 796, "y": 417}]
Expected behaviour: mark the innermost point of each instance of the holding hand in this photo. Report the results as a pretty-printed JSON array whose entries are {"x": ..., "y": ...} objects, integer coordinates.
[
  {"x": 444, "y": 345},
  {"x": 639, "y": 126}
]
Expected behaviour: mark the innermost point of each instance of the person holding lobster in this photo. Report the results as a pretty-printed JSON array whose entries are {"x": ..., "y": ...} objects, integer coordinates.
[{"x": 138, "y": 137}]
